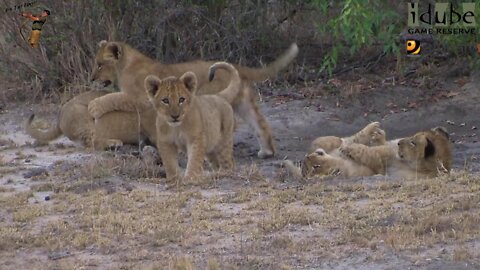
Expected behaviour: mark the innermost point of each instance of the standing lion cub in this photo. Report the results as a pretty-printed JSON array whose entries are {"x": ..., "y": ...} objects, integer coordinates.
[
  {"x": 120, "y": 64},
  {"x": 202, "y": 125}
]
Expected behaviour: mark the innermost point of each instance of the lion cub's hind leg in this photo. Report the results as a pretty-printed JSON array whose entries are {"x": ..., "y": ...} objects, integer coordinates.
[
  {"x": 249, "y": 111},
  {"x": 224, "y": 154}
]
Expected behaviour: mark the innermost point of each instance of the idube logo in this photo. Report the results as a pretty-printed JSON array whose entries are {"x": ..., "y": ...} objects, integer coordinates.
[
  {"x": 413, "y": 47},
  {"x": 441, "y": 18}
]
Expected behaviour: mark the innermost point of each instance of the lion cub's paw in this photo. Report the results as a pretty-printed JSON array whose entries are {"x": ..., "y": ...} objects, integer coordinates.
[
  {"x": 347, "y": 151},
  {"x": 114, "y": 144},
  {"x": 190, "y": 177},
  {"x": 150, "y": 155},
  {"x": 263, "y": 154},
  {"x": 95, "y": 109}
]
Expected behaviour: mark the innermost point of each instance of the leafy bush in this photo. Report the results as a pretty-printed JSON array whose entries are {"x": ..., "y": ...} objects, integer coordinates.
[
  {"x": 356, "y": 24},
  {"x": 167, "y": 30},
  {"x": 247, "y": 32}
]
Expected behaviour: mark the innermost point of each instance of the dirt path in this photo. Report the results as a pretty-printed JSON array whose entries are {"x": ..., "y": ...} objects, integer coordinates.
[{"x": 254, "y": 219}]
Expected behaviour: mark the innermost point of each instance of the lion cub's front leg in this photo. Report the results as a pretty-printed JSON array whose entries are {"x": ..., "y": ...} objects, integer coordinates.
[
  {"x": 168, "y": 154},
  {"x": 374, "y": 157},
  {"x": 196, "y": 157},
  {"x": 111, "y": 102}
]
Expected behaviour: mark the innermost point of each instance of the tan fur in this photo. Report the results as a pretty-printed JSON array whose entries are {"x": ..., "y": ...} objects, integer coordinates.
[
  {"x": 428, "y": 152},
  {"x": 370, "y": 135},
  {"x": 377, "y": 158},
  {"x": 325, "y": 159},
  {"x": 425, "y": 154},
  {"x": 321, "y": 163},
  {"x": 200, "y": 125},
  {"x": 111, "y": 130},
  {"x": 131, "y": 68}
]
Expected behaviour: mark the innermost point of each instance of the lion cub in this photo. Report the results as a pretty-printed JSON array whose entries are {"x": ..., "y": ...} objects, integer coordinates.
[
  {"x": 325, "y": 159},
  {"x": 113, "y": 129},
  {"x": 320, "y": 163},
  {"x": 423, "y": 155},
  {"x": 200, "y": 125}
]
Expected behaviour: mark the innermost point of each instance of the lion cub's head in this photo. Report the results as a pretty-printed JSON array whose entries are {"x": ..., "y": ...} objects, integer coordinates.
[
  {"x": 429, "y": 150},
  {"x": 172, "y": 97},
  {"x": 104, "y": 67},
  {"x": 319, "y": 163}
]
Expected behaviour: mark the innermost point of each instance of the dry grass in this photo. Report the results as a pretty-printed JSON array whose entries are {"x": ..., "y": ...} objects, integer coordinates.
[{"x": 233, "y": 220}]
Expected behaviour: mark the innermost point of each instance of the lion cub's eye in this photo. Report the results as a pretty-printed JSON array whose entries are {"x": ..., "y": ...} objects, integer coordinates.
[
  {"x": 181, "y": 100},
  {"x": 166, "y": 101},
  {"x": 99, "y": 67},
  {"x": 412, "y": 143}
]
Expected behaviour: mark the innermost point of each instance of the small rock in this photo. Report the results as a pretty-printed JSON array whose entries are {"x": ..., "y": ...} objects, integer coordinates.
[
  {"x": 59, "y": 255},
  {"x": 47, "y": 198},
  {"x": 462, "y": 124},
  {"x": 474, "y": 127},
  {"x": 35, "y": 172}
]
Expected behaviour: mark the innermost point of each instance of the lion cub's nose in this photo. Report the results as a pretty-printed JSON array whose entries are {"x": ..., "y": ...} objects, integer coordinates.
[{"x": 175, "y": 117}]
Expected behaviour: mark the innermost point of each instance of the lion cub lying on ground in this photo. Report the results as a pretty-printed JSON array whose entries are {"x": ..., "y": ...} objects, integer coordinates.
[
  {"x": 425, "y": 154},
  {"x": 202, "y": 125},
  {"x": 325, "y": 159},
  {"x": 111, "y": 130},
  {"x": 321, "y": 163}
]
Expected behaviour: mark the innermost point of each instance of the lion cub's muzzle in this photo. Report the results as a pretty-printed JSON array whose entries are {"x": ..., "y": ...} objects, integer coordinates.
[
  {"x": 105, "y": 83},
  {"x": 175, "y": 120}
]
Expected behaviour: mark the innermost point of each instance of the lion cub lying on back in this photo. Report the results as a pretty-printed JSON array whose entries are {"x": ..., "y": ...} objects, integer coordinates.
[
  {"x": 202, "y": 125},
  {"x": 325, "y": 159},
  {"x": 321, "y": 163}
]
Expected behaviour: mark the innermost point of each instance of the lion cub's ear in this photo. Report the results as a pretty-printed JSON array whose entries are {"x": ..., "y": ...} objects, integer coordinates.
[
  {"x": 102, "y": 43},
  {"x": 443, "y": 131},
  {"x": 151, "y": 85},
  {"x": 189, "y": 79},
  {"x": 429, "y": 148},
  {"x": 113, "y": 51}
]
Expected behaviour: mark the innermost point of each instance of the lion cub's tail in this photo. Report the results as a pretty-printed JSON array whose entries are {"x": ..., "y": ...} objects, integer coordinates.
[
  {"x": 260, "y": 74},
  {"x": 42, "y": 135},
  {"x": 233, "y": 88},
  {"x": 292, "y": 169}
]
